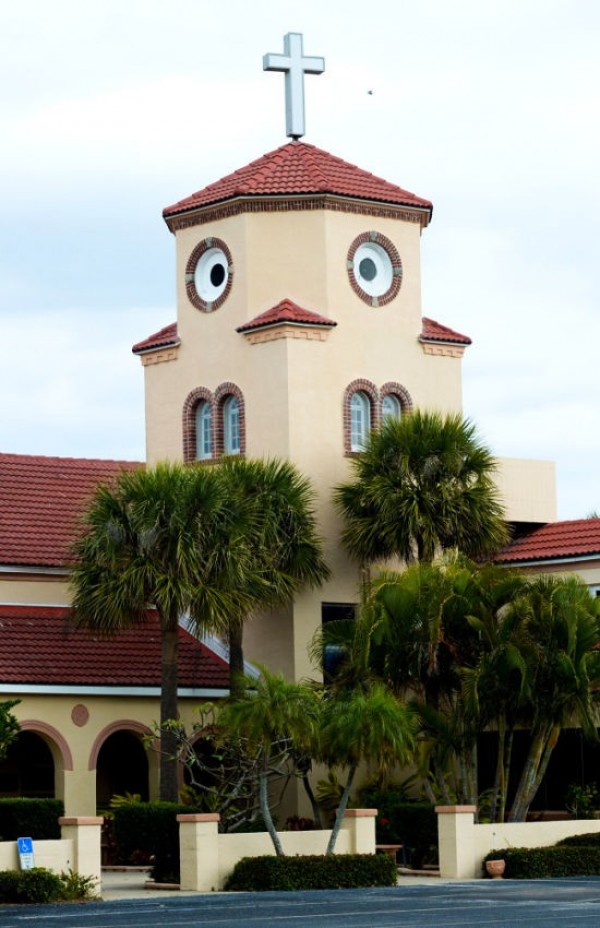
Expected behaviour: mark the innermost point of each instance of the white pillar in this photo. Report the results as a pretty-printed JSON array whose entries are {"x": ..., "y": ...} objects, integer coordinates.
[
  {"x": 360, "y": 823},
  {"x": 84, "y": 833},
  {"x": 199, "y": 851},
  {"x": 456, "y": 841}
]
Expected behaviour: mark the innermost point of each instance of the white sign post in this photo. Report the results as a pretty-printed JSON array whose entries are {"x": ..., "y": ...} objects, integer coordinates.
[{"x": 25, "y": 846}]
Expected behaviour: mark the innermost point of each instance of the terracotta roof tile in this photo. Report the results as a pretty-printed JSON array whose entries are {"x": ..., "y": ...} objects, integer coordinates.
[
  {"x": 286, "y": 311},
  {"x": 300, "y": 169},
  {"x": 40, "y": 646},
  {"x": 433, "y": 331},
  {"x": 41, "y": 500},
  {"x": 161, "y": 339},
  {"x": 576, "y": 538}
]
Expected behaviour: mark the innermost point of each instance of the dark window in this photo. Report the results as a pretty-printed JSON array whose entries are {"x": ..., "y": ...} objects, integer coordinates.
[{"x": 334, "y": 653}]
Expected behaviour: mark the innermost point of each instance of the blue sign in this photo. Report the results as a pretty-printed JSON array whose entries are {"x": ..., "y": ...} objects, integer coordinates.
[{"x": 25, "y": 848}]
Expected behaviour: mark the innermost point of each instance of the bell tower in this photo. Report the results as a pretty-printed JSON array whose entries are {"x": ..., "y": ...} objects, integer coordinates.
[{"x": 299, "y": 327}]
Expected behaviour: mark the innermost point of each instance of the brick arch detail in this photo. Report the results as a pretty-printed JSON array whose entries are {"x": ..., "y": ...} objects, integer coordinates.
[
  {"x": 190, "y": 268},
  {"x": 388, "y": 246},
  {"x": 400, "y": 392},
  {"x": 58, "y": 742},
  {"x": 196, "y": 396},
  {"x": 130, "y": 725},
  {"x": 359, "y": 386},
  {"x": 222, "y": 392}
]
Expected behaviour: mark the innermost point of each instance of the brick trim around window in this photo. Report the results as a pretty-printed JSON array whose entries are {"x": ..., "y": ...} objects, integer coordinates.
[
  {"x": 192, "y": 400},
  {"x": 392, "y": 252},
  {"x": 190, "y": 269},
  {"x": 222, "y": 393},
  {"x": 376, "y": 397},
  {"x": 401, "y": 393}
]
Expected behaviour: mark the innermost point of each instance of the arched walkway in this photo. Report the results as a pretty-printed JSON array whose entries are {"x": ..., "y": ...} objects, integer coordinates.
[
  {"x": 28, "y": 768},
  {"x": 121, "y": 763}
]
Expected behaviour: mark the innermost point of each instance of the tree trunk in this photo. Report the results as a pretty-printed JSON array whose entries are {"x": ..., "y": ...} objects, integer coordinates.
[
  {"x": 541, "y": 771},
  {"x": 235, "y": 636},
  {"x": 539, "y": 741},
  {"x": 313, "y": 802},
  {"x": 339, "y": 815},
  {"x": 510, "y": 737},
  {"x": 169, "y": 764},
  {"x": 499, "y": 789},
  {"x": 263, "y": 792}
]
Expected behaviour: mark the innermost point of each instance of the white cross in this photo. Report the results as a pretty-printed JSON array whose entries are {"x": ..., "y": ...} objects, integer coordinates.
[{"x": 295, "y": 66}]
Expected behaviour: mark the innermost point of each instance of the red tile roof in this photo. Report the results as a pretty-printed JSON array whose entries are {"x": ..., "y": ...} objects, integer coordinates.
[
  {"x": 286, "y": 311},
  {"x": 41, "y": 646},
  {"x": 576, "y": 538},
  {"x": 41, "y": 501},
  {"x": 164, "y": 338},
  {"x": 298, "y": 169},
  {"x": 433, "y": 331}
]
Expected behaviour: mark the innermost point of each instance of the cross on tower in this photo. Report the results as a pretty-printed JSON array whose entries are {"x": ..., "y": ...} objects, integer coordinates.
[{"x": 295, "y": 66}]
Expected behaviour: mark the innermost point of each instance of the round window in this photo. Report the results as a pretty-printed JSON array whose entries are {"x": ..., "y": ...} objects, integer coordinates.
[
  {"x": 374, "y": 268},
  {"x": 208, "y": 274}
]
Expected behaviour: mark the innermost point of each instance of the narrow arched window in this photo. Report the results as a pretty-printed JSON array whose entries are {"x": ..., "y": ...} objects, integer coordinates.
[
  {"x": 204, "y": 445},
  {"x": 231, "y": 425},
  {"x": 390, "y": 407},
  {"x": 360, "y": 420}
]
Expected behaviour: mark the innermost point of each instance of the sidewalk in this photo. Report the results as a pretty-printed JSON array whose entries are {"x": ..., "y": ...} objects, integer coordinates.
[{"x": 131, "y": 884}]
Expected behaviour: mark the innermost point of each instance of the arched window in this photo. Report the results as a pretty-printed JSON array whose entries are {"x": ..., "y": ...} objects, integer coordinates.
[
  {"x": 204, "y": 445},
  {"x": 390, "y": 407},
  {"x": 231, "y": 426},
  {"x": 360, "y": 420}
]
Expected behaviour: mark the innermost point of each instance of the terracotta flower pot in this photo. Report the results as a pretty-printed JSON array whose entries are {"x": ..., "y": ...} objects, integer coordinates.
[{"x": 495, "y": 868}]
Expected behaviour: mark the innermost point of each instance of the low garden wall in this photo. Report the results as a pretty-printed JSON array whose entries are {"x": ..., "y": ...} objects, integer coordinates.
[
  {"x": 207, "y": 858},
  {"x": 463, "y": 844},
  {"x": 78, "y": 849}
]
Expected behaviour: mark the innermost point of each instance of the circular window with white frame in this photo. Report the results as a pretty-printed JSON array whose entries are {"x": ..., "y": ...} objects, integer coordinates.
[
  {"x": 209, "y": 274},
  {"x": 374, "y": 268}
]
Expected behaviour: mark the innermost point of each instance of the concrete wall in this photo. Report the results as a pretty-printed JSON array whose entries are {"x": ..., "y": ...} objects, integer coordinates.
[
  {"x": 78, "y": 849},
  {"x": 463, "y": 844},
  {"x": 207, "y": 858}
]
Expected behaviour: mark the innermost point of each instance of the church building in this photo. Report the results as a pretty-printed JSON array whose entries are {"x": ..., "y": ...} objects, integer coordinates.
[{"x": 299, "y": 328}]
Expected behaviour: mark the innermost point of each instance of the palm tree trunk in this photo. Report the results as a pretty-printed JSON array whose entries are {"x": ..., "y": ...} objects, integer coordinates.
[
  {"x": 506, "y": 773},
  {"x": 313, "y": 802},
  {"x": 499, "y": 790},
  {"x": 541, "y": 771},
  {"x": 341, "y": 809},
  {"x": 235, "y": 635},
  {"x": 522, "y": 800},
  {"x": 169, "y": 765}
]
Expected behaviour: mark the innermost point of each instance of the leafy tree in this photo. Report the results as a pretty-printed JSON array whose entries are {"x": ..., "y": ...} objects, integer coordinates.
[
  {"x": 562, "y": 623},
  {"x": 278, "y": 719},
  {"x": 170, "y": 537},
  {"x": 9, "y": 725},
  {"x": 284, "y": 547},
  {"x": 423, "y": 484},
  {"x": 364, "y": 724}
]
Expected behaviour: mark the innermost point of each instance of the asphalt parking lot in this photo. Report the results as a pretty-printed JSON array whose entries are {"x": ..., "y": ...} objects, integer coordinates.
[{"x": 527, "y": 904}]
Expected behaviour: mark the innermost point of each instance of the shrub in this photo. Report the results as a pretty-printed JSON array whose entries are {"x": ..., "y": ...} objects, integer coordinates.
[
  {"x": 537, "y": 863},
  {"x": 151, "y": 828},
  {"x": 39, "y": 885},
  {"x": 32, "y": 818},
  {"x": 76, "y": 887},
  {"x": 9, "y": 881},
  {"x": 589, "y": 840},
  {"x": 335, "y": 871},
  {"x": 412, "y": 824}
]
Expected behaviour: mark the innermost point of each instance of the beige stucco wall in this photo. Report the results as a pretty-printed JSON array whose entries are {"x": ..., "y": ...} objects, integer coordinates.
[{"x": 527, "y": 489}]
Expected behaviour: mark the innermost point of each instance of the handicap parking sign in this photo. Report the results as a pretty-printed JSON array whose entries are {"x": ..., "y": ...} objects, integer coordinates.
[{"x": 25, "y": 848}]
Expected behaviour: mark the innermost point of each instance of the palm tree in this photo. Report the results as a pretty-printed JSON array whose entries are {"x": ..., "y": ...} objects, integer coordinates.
[
  {"x": 423, "y": 484},
  {"x": 562, "y": 624},
  {"x": 364, "y": 724},
  {"x": 285, "y": 550},
  {"x": 170, "y": 538},
  {"x": 279, "y": 719}
]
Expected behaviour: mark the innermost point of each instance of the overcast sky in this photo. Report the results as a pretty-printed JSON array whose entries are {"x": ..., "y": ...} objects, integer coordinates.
[{"x": 112, "y": 109}]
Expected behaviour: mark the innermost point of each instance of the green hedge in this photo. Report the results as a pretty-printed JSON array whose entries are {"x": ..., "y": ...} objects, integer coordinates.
[
  {"x": 151, "y": 827},
  {"x": 537, "y": 863},
  {"x": 30, "y": 818},
  {"x": 592, "y": 840},
  {"x": 35, "y": 885},
  {"x": 335, "y": 871},
  {"x": 412, "y": 824}
]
